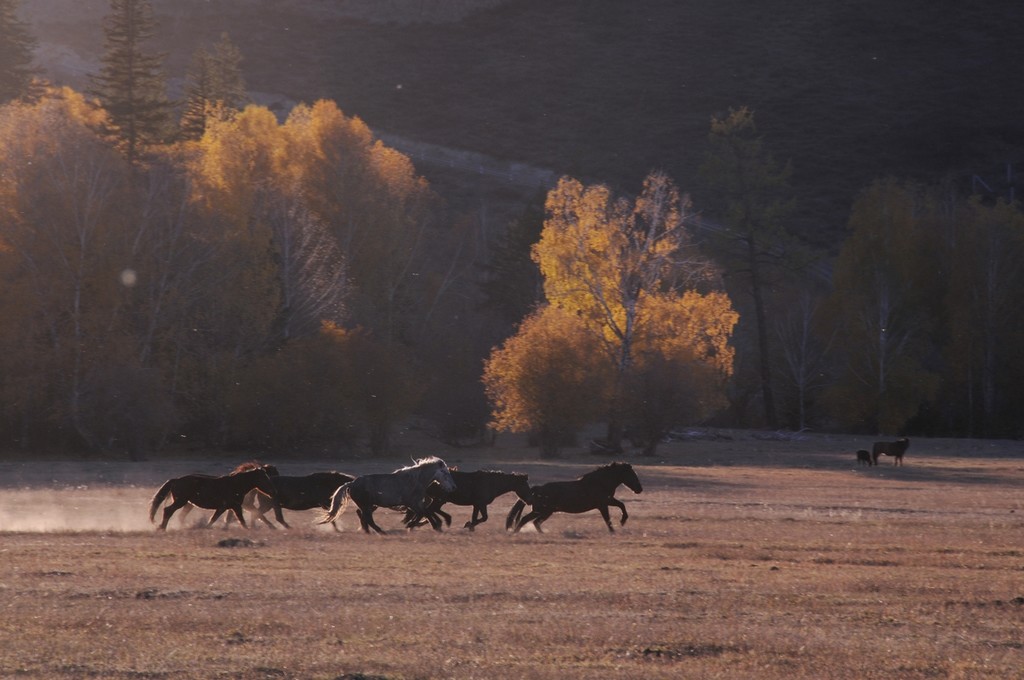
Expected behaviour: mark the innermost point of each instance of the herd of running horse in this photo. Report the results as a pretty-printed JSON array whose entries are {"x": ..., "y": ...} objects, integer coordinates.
[{"x": 419, "y": 490}]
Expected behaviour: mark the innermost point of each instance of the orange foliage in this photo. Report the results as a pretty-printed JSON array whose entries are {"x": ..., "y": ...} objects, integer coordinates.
[{"x": 548, "y": 377}]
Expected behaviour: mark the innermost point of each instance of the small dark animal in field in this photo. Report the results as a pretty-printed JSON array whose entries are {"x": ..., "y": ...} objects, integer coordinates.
[
  {"x": 213, "y": 493},
  {"x": 895, "y": 449},
  {"x": 478, "y": 489},
  {"x": 593, "y": 491},
  {"x": 864, "y": 457},
  {"x": 404, "y": 489}
]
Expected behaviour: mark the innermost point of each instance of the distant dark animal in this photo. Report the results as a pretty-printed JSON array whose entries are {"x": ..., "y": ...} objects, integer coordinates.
[
  {"x": 895, "y": 449},
  {"x": 478, "y": 489},
  {"x": 404, "y": 489},
  {"x": 593, "y": 491},
  {"x": 864, "y": 458},
  {"x": 213, "y": 493}
]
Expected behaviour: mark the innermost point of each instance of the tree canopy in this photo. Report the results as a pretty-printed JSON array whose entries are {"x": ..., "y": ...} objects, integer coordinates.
[{"x": 627, "y": 272}]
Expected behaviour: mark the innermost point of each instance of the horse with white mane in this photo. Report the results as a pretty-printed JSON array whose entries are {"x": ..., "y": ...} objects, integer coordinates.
[{"x": 403, "y": 489}]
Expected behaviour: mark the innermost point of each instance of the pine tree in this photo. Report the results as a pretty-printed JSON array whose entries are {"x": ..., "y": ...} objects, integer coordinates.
[
  {"x": 16, "y": 47},
  {"x": 215, "y": 86},
  {"x": 130, "y": 84}
]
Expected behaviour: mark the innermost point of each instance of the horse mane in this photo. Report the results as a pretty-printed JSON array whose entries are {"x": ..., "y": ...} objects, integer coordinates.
[
  {"x": 250, "y": 465},
  {"x": 502, "y": 472},
  {"x": 422, "y": 462},
  {"x": 604, "y": 468}
]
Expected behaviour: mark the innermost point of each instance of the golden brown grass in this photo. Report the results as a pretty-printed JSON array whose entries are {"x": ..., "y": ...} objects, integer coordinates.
[{"x": 743, "y": 558}]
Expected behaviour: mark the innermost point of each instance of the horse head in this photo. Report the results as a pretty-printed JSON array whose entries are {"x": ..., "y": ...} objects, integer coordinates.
[
  {"x": 629, "y": 477},
  {"x": 443, "y": 476},
  {"x": 264, "y": 483},
  {"x": 521, "y": 486}
]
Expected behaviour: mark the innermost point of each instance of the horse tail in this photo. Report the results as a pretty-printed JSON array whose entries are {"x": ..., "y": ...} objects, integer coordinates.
[
  {"x": 158, "y": 499},
  {"x": 339, "y": 502},
  {"x": 514, "y": 514}
]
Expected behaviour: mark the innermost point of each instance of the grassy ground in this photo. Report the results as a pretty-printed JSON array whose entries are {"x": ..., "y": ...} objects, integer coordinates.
[{"x": 743, "y": 557}]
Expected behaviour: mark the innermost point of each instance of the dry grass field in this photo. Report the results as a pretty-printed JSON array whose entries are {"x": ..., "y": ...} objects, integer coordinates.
[{"x": 743, "y": 558}]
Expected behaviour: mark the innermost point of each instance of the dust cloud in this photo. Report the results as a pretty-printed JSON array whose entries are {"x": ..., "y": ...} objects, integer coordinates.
[
  {"x": 70, "y": 496},
  {"x": 74, "y": 509}
]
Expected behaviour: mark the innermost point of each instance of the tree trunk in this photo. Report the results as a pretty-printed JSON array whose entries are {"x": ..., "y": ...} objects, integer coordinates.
[{"x": 756, "y": 289}]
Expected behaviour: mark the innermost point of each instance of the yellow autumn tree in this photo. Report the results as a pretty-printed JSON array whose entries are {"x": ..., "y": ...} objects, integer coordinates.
[
  {"x": 548, "y": 379},
  {"x": 325, "y": 215},
  {"x": 626, "y": 271},
  {"x": 615, "y": 261},
  {"x": 371, "y": 201},
  {"x": 682, "y": 362}
]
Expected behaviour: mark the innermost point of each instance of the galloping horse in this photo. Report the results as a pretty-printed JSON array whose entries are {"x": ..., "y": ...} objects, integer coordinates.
[
  {"x": 291, "y": 493},
  {"x": 297, "y": 493},
  {"x": 593, "y": 491},
  {"x": 895, "y": 449},
  {"x": 478, "y": 489},
  {"x": 213, "y": 493},
  {"x": 403, "y": 489}
]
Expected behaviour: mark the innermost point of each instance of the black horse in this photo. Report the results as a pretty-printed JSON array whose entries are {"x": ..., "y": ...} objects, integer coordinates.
[
  {"x": 304, "y": 492},
  {"x": 895, "y": 449},
  {"x": 478, "y": 489},
  {"x": 593, "y": 491},
  {"x": 213, "y": 493}
]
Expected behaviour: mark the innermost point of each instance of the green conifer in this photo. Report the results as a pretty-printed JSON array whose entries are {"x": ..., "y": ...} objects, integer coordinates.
[
  {"x": 130, "y": 84},
  {"x": 16, "y": 47}
]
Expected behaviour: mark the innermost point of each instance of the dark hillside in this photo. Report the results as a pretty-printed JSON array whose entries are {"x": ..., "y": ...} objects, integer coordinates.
[{"x": 608, "y": 90}]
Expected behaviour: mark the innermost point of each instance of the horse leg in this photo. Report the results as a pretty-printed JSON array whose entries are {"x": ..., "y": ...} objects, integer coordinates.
[
  {"x": 607, "y": 517},
  {"x": 543, "y": 516},
  {"x": 366, "y": 520},
  {"x": 534, "y": 516},
  {"x": 278, "y": 515},
  {"x": 237, "y": 509},
  {"x": 368, "y": 517},
  {"x": 435, "y": 521},
  {"x": 621, "y": 506},
  {"x": 415, "y": 519},
  {"x": 514, "y": 513},
  {"x": 479, "y": 517},
  {"x": 168, "y": 511},
  {"x": 447, "y": 518},
  {"x": 258, "y": 516},
  {"x": 215, "y": 515}
]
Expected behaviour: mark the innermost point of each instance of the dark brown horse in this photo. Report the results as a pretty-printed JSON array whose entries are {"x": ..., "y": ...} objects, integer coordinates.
[
  {"x": 478, "y": 489},
  {"x": 304, "y": 492},
  {"x": 213, "y": 493},
  {"x": 895, "y": 449},
  {"x": 864, "y": 458},
  {"x": 593, "y": 491}
]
